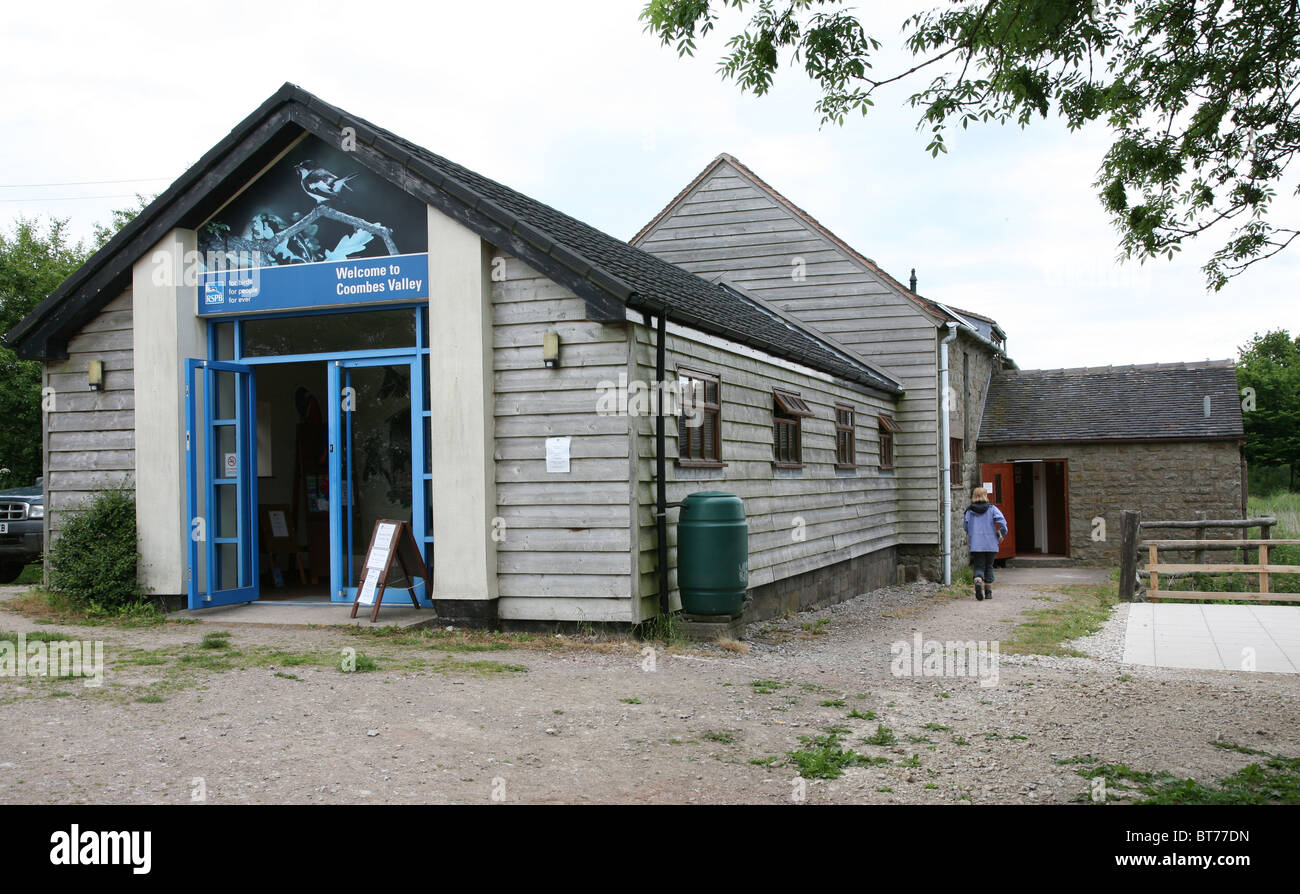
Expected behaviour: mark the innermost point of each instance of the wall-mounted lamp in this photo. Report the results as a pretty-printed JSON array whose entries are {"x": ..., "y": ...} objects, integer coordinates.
[
  {"x": 551, "y": 348},
  {"x": 95, "y": 375}
]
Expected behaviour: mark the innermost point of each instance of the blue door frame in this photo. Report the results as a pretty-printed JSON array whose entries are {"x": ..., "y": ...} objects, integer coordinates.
[
  {"x": 343, "y": 577},
  {"x": 211, "y": 526},
  {"x": 208, "y": 589}
]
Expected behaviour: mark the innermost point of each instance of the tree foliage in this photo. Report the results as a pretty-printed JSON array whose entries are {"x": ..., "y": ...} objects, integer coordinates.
[
  {"x": 1201, "y": 95},
  {"x": 1270, "y": 365},
  {"x": 34, "y": 259}
]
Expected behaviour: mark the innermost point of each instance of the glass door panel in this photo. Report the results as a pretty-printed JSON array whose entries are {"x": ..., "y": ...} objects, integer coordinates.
[
  {"x": 221, "y": 487},
  {"x": 376, "y": 438}
]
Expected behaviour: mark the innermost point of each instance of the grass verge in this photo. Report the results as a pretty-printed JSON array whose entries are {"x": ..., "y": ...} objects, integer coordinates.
[
  {"x": 47, "y": 607},
  {"x": 1081, "y": 613},
  {"x": 1275, "y": 780}
]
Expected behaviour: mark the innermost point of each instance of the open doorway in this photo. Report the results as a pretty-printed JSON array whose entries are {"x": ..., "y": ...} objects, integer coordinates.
[
  {"x": 293, "y": 485},
  {"x": 1033, "y": 494}
]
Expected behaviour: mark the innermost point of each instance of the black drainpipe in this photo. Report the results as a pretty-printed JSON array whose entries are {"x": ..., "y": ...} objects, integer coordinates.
[{"x": 661, "y": 486}]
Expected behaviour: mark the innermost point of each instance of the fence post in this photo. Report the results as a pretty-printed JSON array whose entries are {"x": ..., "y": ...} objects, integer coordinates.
[
  {"x": 1130, "y": 523},
  {"x": 1265, "y": 533},
  {"x": 1199, "y": 555}
]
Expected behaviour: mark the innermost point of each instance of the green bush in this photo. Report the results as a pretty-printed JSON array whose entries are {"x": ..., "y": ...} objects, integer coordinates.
[{"x": 93, "y": 563}]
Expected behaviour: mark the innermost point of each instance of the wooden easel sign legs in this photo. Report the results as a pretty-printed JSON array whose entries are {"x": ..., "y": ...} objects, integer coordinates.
[{"x": 391, "y": 541}]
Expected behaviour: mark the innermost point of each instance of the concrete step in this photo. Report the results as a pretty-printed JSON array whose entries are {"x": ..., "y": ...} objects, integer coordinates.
[{"x": 1040, "y": 562}]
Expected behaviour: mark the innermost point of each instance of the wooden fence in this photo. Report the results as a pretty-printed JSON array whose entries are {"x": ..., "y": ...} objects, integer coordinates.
[{"x": 1132, "y": 525}]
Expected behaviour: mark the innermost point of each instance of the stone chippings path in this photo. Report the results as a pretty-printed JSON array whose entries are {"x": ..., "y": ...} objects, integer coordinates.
[{"x": 587, "y": 721}]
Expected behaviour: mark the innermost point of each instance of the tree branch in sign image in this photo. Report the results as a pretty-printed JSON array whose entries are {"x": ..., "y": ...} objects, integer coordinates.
[{"x": 269, "y": 246}]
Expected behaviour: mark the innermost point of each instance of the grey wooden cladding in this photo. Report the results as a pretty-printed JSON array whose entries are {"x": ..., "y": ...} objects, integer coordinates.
[
  {"x": 729, "y": 224},
  {"x": 799, "y": 520},
  {"x": 566, "y": 543},
  {"x": 89, "y": 436}
]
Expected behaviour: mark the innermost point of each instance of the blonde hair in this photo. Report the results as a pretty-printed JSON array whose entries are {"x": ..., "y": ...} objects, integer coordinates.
[{"x": 979, "y": 495}]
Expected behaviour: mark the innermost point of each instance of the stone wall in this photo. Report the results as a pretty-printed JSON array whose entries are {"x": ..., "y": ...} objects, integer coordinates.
[
  {"x": 1164, "y": 481},
  {"x": 971, "y": 366},
  {"x": 823, "y": 586}
]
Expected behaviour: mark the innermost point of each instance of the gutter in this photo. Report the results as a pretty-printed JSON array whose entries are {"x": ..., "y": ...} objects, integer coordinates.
[
  {"x": 974, "y": 333},
  {"x": 945, "y": 467},
  {"x": 661, "y": 486}
]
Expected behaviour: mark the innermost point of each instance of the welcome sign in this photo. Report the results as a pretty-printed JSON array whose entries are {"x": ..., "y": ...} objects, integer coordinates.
[
  {"x": 316, "y": 230},
  {"x": 323, "y": 284}
]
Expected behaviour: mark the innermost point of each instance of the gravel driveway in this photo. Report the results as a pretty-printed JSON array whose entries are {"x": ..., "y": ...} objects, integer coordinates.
[{"x": 271, "y": 718}]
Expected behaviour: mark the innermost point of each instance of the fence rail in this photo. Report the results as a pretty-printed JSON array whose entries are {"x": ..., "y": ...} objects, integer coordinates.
[
  {"x": 1263, "y": 568},
  {"x": 1132, "y": 525}
]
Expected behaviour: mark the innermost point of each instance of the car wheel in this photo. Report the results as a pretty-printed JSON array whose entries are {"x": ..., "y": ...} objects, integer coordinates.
[{"x": 9, "y": 573}]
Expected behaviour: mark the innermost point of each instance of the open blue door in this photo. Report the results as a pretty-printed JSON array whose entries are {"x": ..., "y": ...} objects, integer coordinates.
[
  {"x": 377, "y": 461},
  {"x": 221, "y": 483}
]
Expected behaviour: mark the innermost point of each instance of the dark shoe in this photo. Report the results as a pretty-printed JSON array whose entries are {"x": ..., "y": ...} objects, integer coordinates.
[
  {"x": 979, "y": 589},
  {"x": 988, "y": 592}
]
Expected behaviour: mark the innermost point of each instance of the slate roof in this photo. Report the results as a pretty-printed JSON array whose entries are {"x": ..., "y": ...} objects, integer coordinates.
[
  {"x": 987, "y": 327},
  {"x": 1163, "y": 401},
  {"x": 608, "y": 273}
]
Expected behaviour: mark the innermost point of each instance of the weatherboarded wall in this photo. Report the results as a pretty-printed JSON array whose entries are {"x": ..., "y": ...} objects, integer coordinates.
[
  {"x": 800, "y": 521},
  {"x": 1163, "y": 480},
  {"x": 729, "y": 225},
  {"x": 90, "y": 435},
  {"x": 564, "y": 547}
]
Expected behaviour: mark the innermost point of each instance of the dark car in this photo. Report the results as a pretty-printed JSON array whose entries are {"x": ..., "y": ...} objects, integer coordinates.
[{"x": 22, "y": 529}]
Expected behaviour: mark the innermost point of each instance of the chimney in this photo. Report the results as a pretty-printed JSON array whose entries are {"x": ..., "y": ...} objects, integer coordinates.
[{"x": 913, "y": 280}]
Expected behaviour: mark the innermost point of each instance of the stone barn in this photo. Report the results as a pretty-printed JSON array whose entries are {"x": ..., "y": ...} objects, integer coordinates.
[{"x": 1063, "y": 451}]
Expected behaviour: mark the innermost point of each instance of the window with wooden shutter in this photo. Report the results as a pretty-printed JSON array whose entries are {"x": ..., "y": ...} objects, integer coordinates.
[
  {"x": 699, "y": 426},
  {"x": 845, "y": 438},
  {"x": 788, "y": 409},
  {"x": 955, "y": 462},
  {"x": 888, "y": 428}
]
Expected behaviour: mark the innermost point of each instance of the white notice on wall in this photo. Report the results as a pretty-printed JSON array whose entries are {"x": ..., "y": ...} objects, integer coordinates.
[
  {"x": 279, "y": 527},
  {"x": 988, "y": 486},
  {"x": 557, "y": 454},
  {"x": 367, "y": 596}
]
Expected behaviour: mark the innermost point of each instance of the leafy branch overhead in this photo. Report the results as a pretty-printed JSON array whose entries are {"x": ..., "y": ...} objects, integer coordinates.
[{"x": 1201, "y": 95}]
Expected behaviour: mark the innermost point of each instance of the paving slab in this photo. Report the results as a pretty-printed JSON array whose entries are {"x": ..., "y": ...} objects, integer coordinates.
[
  {"x": 289, "y": 613},
  {"x": 1251, "y": 638}
]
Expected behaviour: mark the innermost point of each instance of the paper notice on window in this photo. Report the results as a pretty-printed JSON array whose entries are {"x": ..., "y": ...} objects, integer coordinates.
[
  {"x": 279, "y": 526},
  {"x": 557, "y": 454},
  {"x": 368, "y": 586}
]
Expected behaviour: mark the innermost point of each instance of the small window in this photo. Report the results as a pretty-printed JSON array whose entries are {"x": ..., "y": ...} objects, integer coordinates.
[
  {"x": 955, "y": 462},
  {"x": 787, "y": 433},
  {"x": 699, "y": 427},
  {"x": 888, "y": 428},
  {"x": 845, "y": 438}
]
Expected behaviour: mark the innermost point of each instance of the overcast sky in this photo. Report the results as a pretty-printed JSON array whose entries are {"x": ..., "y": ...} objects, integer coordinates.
[{"x": 572, "y": 103}]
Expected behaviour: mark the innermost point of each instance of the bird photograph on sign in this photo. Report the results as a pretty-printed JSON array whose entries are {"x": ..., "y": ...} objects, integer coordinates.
[{"x": 317, "y": 203}]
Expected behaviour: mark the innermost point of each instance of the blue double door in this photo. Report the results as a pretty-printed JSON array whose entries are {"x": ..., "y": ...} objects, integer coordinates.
[{"x": 377, "y": 468}]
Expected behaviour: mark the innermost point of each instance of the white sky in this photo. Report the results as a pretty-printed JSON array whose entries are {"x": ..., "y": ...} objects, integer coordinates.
[{"x": 572, "y": 103}]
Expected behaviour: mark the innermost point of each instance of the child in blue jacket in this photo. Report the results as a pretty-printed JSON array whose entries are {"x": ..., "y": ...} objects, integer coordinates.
[{"x": 985, "y": 527}]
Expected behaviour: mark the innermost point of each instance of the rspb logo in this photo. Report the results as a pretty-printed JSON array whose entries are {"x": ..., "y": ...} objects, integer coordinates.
[{"x": 214, "y": 292}]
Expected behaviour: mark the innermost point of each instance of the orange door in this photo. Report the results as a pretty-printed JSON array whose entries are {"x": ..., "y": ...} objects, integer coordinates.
[{"x": 999, "y": 479}]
